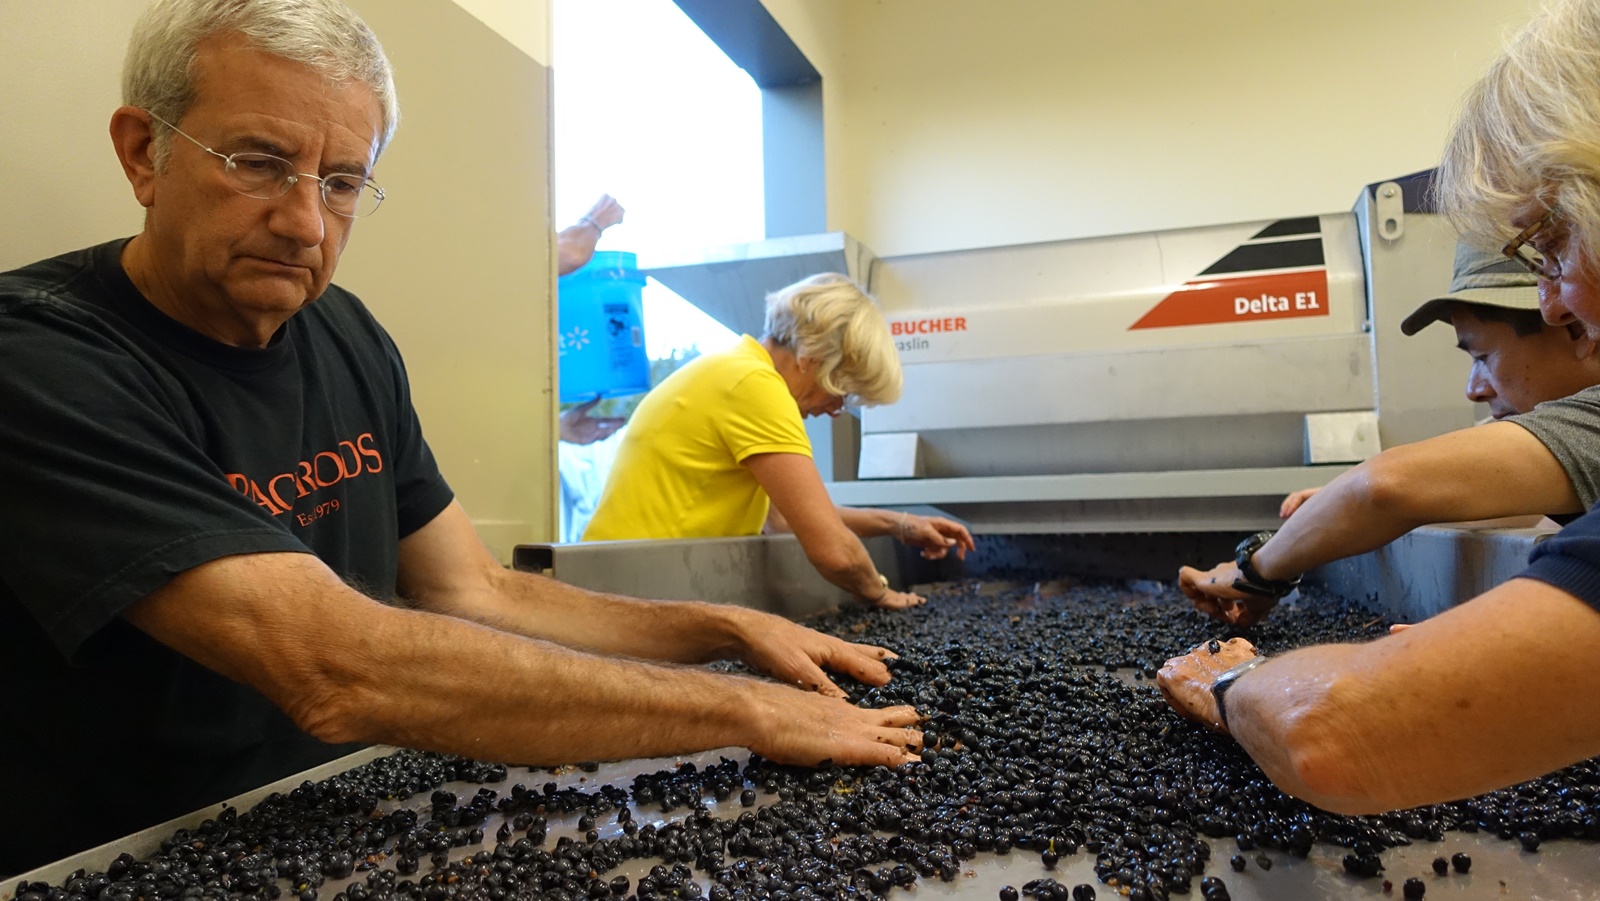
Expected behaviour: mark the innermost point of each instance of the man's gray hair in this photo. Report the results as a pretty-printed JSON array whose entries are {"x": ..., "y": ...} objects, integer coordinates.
[{"x": 158, "y": 74}]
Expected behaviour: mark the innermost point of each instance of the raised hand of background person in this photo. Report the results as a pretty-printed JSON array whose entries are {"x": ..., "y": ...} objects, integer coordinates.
[
  {"x": 575, "y": 244},
  {"x": 605, "y": 213}
]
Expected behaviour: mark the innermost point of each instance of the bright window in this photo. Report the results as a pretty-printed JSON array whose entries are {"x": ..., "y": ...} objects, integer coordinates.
[{"x": 650, "y": 111}]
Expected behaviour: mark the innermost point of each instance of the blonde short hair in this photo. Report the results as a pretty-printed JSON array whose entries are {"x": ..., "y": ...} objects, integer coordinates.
[
  {"x": 1528, "y": 138},
  {"x": 158, "y": 72},
  {"x": 831, "y": 320}
]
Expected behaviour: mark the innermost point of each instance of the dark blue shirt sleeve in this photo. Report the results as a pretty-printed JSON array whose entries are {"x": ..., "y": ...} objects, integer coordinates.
[{"x": 1570, "y": 560}]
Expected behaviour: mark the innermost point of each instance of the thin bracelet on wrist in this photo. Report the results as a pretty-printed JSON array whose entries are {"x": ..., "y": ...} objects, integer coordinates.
[
  {"x": 1219, "y": 688},
  {"x": 585, "y": 220}
]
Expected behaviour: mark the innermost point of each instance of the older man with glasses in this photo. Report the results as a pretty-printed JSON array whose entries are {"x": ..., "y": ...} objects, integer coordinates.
[{"x": 217, "y": 486}]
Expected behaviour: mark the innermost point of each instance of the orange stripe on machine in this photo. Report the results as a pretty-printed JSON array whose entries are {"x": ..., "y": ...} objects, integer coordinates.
[
  {"x": 1281, "y": 295},
  {"x": 928, "y": 326}
]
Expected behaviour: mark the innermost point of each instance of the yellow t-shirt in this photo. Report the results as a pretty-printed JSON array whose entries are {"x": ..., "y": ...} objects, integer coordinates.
[{"x": 679, "y": 472}]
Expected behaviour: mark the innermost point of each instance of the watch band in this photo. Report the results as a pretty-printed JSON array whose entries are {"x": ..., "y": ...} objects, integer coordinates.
[
  {"x": 1250, "y": 579},
  {"x": 1219, "y": 688}
]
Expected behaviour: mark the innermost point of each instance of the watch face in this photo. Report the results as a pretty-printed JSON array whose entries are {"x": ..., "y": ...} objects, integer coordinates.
[{"x": 1252, "y": 544}]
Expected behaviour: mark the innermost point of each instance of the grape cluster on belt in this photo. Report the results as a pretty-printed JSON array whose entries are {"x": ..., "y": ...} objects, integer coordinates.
[{"x": 1033, "y": 748}]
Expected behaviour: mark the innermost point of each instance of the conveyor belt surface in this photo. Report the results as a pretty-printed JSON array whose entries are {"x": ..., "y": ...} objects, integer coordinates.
[{"x": 1034, "y": 746}]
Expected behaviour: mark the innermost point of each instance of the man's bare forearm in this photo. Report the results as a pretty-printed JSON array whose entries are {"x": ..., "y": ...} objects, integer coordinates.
[
  {"x": 1295, "y": 714},
  {"x": 543, "y": 608},
  {"x": 1488, "y": 471},
  {"x": 534, "y": 702},
  {"x": 1337, "y": 522},
  {"x": 347, "y": 668},
  {"x": 444, "y": 568},
  {"x": 574, "y": 246}
]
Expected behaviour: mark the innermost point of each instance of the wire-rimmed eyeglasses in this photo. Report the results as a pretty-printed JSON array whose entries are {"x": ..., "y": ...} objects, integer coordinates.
[
  {"x": 267, "y": 177},
  {"x": 1522, "y": 249}
]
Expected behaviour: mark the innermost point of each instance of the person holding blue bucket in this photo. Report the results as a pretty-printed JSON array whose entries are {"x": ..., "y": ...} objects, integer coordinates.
[
  {"x": 575, "y": 244},
  {"x": 597, "y": 279},
  {"x": 601, "y": 355},
  {"x": 720, "y": 449}
]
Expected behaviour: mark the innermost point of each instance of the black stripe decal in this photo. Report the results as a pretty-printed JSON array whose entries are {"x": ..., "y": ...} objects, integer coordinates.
[
  {"x": 1310, "y": 225},
  {"x": 1277, "y": 255}
]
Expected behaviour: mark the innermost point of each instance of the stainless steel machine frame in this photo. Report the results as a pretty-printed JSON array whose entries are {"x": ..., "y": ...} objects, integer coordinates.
[
  {"x": 1039, "y": 401},
  {"x": 1412, "y": 578}
]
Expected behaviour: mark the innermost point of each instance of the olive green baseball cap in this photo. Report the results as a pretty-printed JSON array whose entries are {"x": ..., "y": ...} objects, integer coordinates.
[{"x": 1481, "y": 277}]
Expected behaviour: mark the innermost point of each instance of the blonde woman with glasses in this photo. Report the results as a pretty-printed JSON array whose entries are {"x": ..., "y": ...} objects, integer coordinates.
[{"x": 720, "y": 448}]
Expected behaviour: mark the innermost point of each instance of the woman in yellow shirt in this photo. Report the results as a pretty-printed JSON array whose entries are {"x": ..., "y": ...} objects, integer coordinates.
[{"x": 720, "y": 449}]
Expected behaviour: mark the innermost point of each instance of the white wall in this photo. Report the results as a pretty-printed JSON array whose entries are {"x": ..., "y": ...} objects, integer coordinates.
[
  {"x": 525, "y": 23},
  {"x": 60, "y": 62},
  {"x": 953, "y": 124},
  {"x": 459, "y": 263}
]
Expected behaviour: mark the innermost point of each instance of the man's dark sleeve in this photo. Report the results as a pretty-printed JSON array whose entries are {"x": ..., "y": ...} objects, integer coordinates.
[{"x": 108, "y": 494}]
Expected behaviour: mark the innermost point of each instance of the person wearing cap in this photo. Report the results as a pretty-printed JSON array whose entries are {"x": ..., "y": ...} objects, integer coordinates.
[
  {"x": 1518, "y": 360},
  {"x": 1503, "y": 687},
  {"x": 1538, "y": 382}
]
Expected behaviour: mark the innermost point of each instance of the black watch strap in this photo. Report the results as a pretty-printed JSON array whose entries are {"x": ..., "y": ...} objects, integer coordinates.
[
  {"x": 1219, "y": 688},
  {"x": 1250, "y": 579}
]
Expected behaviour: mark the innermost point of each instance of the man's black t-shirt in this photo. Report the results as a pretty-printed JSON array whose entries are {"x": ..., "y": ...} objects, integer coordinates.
[{"x": 131, "y": 449}]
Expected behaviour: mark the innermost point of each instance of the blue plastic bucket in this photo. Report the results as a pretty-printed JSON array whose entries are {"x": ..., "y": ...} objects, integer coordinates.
[{"x": 601, "y": 323}]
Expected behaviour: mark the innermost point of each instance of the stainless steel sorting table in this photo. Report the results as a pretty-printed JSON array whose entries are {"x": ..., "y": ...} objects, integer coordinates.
[
  {"x": 1560, "y": 871},
  {"x": 770, "y": 573}
]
